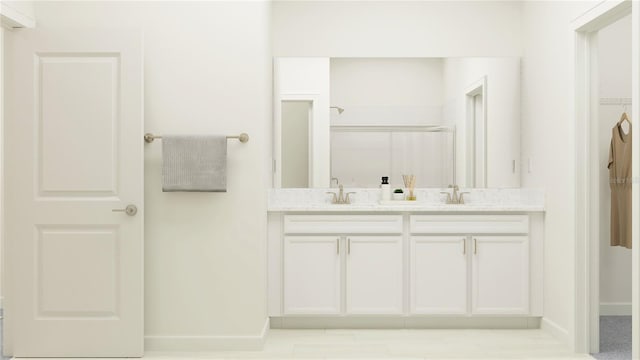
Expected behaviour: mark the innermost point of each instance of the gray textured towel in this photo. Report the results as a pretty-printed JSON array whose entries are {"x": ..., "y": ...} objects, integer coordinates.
[{"x": 194, "y": 163}]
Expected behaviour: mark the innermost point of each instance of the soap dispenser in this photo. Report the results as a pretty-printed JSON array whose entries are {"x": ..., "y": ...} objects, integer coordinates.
[{"x": 385, "y": 189}]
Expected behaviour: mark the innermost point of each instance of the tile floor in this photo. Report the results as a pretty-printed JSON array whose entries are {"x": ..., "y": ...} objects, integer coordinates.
[
  {"x": 398, "y": 344},
  {"x": 393, "y": 344}
]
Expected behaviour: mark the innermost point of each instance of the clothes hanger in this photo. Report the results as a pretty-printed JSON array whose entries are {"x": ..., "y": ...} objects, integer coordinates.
[{"x": 624, "y": 116}]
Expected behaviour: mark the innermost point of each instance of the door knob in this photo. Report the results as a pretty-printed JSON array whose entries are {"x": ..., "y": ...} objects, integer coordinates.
[{"x": 130, "y": 210}]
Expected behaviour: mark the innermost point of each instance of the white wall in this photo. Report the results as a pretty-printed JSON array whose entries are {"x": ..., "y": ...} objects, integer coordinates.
[
  {"x": 548, "y": 133},
  {"x": 207, "y": 70},
  {"x": 503, "y": 114},
  {"x": 397, "y": 28},
  {"x": 614, "y": 72}
]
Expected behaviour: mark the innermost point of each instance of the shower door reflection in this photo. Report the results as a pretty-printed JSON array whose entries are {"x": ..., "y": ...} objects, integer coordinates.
[{"x": 360, "y": 155}]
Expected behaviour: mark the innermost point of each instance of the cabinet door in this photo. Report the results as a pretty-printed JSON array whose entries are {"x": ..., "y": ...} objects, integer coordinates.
[
  {"x": 500, "y": 275},
  {"x": 311, "y": 275},
  {"x": 374, "y": 274},
  {"x": 438, "y": 275}
]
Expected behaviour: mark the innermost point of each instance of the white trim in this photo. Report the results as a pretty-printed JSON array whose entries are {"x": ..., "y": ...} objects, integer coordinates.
[
  {"x": 635, "y": 196},
  {"x": 404, "y": 322},
  {"x": 555, "y": 330},
  {"x": 601, "y": 15},
  {"x": 593, "y": 191},
  {"x": 585, "y": 330},
  {"x": 5, "y": 341},
  {"x": 582, "y": 279},
  {"x": 195, "y": 343},
  {"x": 11, "y": 18},
  {"x": 615, "y": 309},
  {"x": 2, "y": 260},
  {"x": 478, "y": 87}
]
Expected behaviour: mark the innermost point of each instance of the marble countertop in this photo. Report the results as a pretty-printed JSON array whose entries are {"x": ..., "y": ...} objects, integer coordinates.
[
  {"x": 418, "y": 207},
  {"x": 429, "y": 200}
]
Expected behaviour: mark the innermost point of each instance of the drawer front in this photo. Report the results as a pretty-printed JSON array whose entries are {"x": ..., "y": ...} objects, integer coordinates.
[
  {"x": 343, "y": 224},
  {"x": 469, "y": 224}
]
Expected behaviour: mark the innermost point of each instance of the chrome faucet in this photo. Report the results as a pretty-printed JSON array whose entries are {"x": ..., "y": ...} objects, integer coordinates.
[
  {"x": 454, "y": 197},
  {"x": 340, "y": 198}
]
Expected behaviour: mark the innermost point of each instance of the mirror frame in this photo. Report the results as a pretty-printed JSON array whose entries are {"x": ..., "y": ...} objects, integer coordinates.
[{"x": 478, "y": 87}]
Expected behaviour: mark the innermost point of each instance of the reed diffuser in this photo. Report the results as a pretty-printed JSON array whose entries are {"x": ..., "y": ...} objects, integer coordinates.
[{"x": 410, "y": 184}]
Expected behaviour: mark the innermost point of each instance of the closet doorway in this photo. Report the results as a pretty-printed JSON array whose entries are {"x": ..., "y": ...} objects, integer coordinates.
[
  {"x": 606, "y": 284},
  {"x": 613, "y": 66}
]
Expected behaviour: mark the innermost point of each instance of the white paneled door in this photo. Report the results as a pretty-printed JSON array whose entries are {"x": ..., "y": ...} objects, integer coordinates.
[
  {"x": 500, "y": 275},
  {"x": 73, "y": 155},
  {"x": 439, "y": 275},
  {"x": 312, "y": 275},
  {"x": 374, "y": 275}
]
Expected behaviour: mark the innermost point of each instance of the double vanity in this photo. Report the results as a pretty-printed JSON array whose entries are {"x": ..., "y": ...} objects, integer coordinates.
[
  {"x": 443, "y": 260},
  {"x": 407, "y": 264}
]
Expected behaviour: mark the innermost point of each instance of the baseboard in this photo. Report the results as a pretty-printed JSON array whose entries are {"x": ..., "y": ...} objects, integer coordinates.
[
  {"x": 555, "y": 330},
  {"x": 615, "y": 309},
  {"x": 206, "y": 343},
  {"x": 403, "y": 322}
]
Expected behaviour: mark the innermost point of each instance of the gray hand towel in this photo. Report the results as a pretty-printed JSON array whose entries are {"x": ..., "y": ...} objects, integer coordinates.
[{"x": 194, "y": 163}]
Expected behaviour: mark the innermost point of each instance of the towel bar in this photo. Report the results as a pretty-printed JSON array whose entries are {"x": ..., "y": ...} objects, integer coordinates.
[{"x": 244, "y": 137}]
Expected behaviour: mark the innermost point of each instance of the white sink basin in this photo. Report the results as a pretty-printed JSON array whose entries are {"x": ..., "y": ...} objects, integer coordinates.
[{"x": 400, "y": 202}]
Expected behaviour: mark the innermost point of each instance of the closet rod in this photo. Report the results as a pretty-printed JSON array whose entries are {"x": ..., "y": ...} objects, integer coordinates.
[{"x": 615, "y": 101}]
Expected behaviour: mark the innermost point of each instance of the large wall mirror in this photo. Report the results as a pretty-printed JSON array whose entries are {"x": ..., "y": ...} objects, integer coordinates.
[{"x": 354, "y": 120}]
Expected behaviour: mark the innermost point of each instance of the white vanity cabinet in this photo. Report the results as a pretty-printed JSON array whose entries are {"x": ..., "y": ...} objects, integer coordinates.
[
  {"x": 405, "y": 269},
  {"x": 438, "y": 275},
  {"x": 500, "y": 275},
  {"x": 480, "y": 267},
  {"x": 311, "y": 275},
  {"x": 374, "y": 275},
  {"x": 323, "y": 252}
]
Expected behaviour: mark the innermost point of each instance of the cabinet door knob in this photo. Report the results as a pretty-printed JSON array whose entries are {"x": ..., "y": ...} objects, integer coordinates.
[
  {"x": 475, "y": 246},
  {"x": 348, "y": 245},
  {"x": 338, "y": 246},
  {"x": 464, "y": 246}
]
